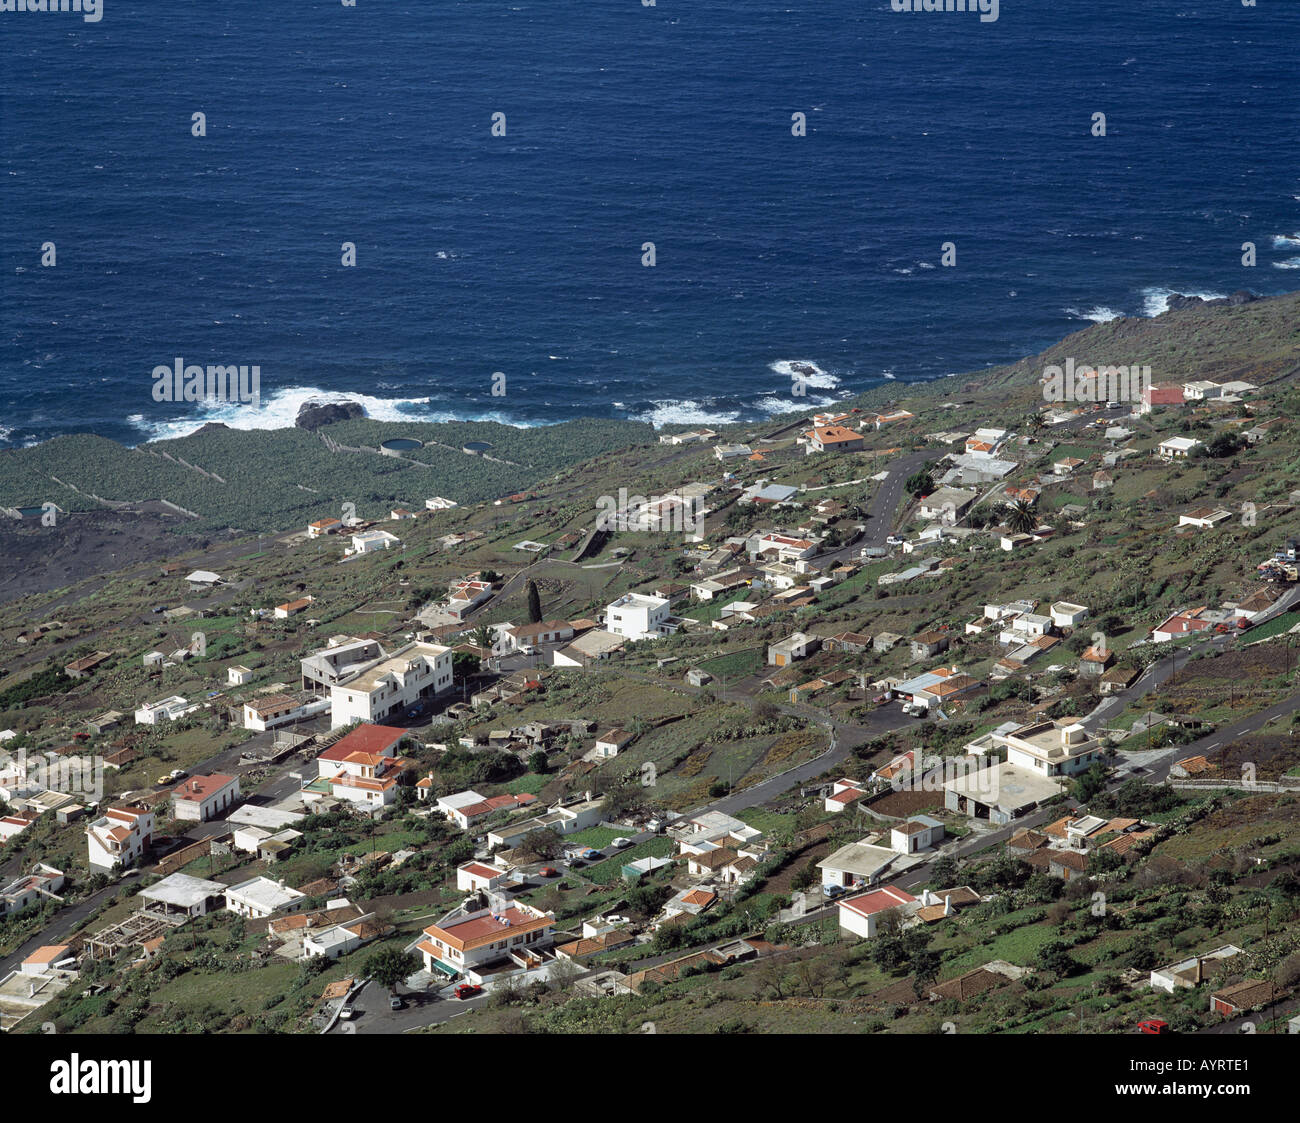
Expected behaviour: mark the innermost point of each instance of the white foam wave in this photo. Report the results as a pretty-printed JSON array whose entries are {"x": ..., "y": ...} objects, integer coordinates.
[
  {"x": 1285, "y": 241},
  {"x": 1155, "y": 300},
  {"x": 1098, "y": 315},
  {"x": 1289, "y": 263},
  {"x": 279, "y": 410},
  {"x": 678, "y": 412},
  {"x": 809, "y": 373}
]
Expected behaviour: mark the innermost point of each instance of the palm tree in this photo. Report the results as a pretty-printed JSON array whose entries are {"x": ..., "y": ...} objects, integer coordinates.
[{"x": 1020, "y": 517}]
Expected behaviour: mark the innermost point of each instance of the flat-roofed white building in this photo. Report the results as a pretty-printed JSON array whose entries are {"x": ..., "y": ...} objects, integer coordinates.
[
  {"x": 636, "y": 616},
  {"x": 1000, "y": 793},
  {"x": 167, "y": 709},
  {"x": 179, "y": 894},
  {"x": 1051, "y": 748},
  {"x": 386, "y": 688},
  {"x": 260, "y": 897},
  {"x": 371, "y": 541}
]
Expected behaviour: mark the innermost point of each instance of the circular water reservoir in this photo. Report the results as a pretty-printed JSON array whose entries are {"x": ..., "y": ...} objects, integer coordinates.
[
  {"x": 478, "y": 448},
  {"x": 401, "y": 444}
]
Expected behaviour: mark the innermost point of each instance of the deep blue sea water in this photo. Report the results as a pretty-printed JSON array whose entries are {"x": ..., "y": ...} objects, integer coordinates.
[{"x": 624, "y": 124}]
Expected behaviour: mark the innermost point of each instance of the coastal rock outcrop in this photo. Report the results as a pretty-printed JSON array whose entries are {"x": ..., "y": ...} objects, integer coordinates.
[{"x": 314, "y": 415}]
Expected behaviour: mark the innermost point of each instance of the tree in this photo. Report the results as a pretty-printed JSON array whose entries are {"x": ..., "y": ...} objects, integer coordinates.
[
  {"x": 925, "y": 969},
  {"x": 1090, "y": 783},
  {"x": 944, "y": 871},
  {"x": 1055, "y": 957},
  {"x": 534, "y": 603},
  {"x": 1020, "y": 517},
  {"x": 538, "y": 762},
  {"x": 543, "y": 842},
  {"x": 919, "y": 483},
  {"x": 389, "y": 966}
]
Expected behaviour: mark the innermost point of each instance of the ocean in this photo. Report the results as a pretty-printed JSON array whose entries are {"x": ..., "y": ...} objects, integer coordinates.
[{"x": 625, "y": 124}]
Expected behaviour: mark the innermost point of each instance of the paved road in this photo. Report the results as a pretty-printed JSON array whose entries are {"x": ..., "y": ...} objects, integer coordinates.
[{"x": 63, "y": 924}]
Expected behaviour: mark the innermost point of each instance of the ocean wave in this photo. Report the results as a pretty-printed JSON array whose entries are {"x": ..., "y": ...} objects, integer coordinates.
[
  {"x": 1289, "y": 263},
  {"x": 279, "y": 410},
  {"x": 812, "y": 374},
  {"x": 1155, "y": 299},
  {"x": 1285, "y": 241},
  {"x": 677, "y": 412},
  {"x": 1098, "y": 315},
  {"x": 774, "y": 406}
]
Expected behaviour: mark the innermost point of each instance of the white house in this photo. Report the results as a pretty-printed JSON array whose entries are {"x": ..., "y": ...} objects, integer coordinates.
[
  {"x": 861, "y": 915},
  {"x": 292, "y": 608},
  {"x": 786, "y": 547},
  {"x": 1204, "y": 518},
  {"x": 613, "y": 742},
  {"x": 947, "y": 504},
  {"x": 798, "y": 646},
  {"x": 280, "y": 709},
  {"x": 473, "y": 876},
  {"x": 119, "y": 837},
  {"x": 261, "y": 897},
  {"x": 168, "y": 709},
  {"x": 843, "y": 794},
  {"x": 322, "y": 527},
  {"x": 388, "y": 686},
  {"x": 1179, "y": 448},
  {"x": 369, "y": 541},
  {"x": 201, "y": 798},
  {"x": 1067, "y": 615},
  {"x": 636, "y": 616},
  {"x": 920, "y": 832},
  {"x": 461, "y": 942},
  {"x": 202, "y": 579},
  {"x": 43, "y": 883},
  {"x": 1200, "y": 391},
  {"x": 858, "y": 863},
  {"x": 238, "y": 676},
  {"x": 1050, "y": 748},
  {"x": 340, "y": 939}
]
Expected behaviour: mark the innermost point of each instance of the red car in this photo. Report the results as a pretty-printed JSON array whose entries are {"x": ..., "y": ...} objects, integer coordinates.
[
  {"x": 1154, "y": 1025},
  {"x": 468, "y": 990},
  {"x": 548, "y": 871}
]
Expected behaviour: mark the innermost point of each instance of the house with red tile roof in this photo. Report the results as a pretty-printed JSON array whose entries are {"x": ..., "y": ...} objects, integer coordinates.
[
  {"x": 861, "y": 914},
  {"x": 462, "y": 942},
  {"x": 201, "y": 798},
  {"x": 833, "y": 438}
]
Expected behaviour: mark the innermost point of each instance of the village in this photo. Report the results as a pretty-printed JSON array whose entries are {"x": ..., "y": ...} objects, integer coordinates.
[{"x": 825, "y": 688}]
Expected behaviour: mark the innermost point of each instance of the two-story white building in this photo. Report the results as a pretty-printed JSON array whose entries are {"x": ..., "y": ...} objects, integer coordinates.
[
  {"x": 386, "y": 688},
  {"x": 462, "y": 942},
  {"x": 119, "y": 837},
  {"x": 636, "y": 616},
  {"x": 1050, "y": 748}
]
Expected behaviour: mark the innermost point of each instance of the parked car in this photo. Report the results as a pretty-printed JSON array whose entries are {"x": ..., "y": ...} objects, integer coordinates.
[
  {"x": 395, "y": 1002},
  {"x": 347, "y": 1013},
  {"x": 468, "y": 990},
  {"x": 830, "y": 892},
  {"x": 548, "y": 871},
  {"x": 1154, "y": 1025},
  {"x": 621, "y": 843}
]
